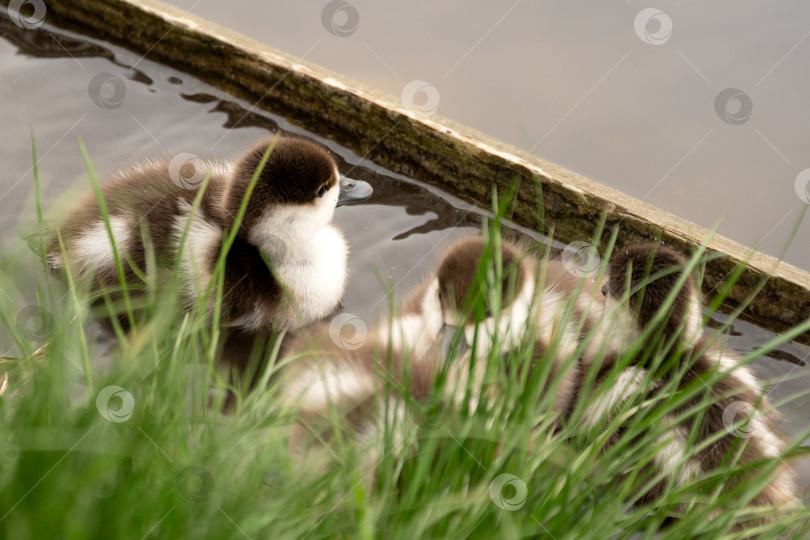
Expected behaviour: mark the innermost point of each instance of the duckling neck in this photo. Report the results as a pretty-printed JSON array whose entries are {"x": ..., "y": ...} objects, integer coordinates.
[
  {"x": 309, "y": 258},
  {"x": 288, "y": 236}
]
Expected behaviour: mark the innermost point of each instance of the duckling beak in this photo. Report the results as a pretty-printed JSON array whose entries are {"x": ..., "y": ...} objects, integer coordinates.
[
  {"x": 353, "y": 191},
  {"x": 605, "y": 289}
]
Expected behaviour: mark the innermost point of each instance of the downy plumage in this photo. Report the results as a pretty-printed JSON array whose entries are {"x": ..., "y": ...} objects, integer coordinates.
[
  {"x": 597, "y": 368},
  {"x": 287, "y": 265},
  {"x": 739, "y": 421}
]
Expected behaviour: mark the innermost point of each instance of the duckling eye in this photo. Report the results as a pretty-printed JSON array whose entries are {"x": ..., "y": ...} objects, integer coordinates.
[{"x": 321, "y": 192}]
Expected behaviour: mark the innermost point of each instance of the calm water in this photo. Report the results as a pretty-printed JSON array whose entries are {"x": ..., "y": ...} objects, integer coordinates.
[
  {"x": 571, "y": 81},
  {"x": 47, "y": 82}
]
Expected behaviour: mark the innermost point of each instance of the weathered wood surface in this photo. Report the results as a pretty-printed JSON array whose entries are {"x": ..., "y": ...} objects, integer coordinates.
[{"x": 426, "y": 147}]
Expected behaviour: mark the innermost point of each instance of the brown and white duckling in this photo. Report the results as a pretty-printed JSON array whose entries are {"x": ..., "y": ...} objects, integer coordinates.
[
  {"x": 634, "y": 269},
  {"x": 538, "y": 305},
  {"x": 437, "y": 302},
  {"x": 287, "y": 265},
  {"x": 731, "y": 388},
  {"x": 420, "y": 323},
  {"x": 532, "y": 291}
]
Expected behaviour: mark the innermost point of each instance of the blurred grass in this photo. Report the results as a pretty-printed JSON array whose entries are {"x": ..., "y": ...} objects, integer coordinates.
[{"x": 74, "y": 467}]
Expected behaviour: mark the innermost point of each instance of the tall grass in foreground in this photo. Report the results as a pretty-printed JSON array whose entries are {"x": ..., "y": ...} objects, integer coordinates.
[{"x": 134, "y": 446}]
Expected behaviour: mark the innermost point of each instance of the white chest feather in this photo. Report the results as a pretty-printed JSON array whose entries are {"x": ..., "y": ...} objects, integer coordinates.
[
  {"x": 308, "y": 257},
  {"x": 308, "y": 254},
  {"x": 314, "y": 275}
]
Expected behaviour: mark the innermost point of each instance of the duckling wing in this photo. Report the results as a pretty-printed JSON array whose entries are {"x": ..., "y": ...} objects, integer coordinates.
[{"x": 141, "y": 205}]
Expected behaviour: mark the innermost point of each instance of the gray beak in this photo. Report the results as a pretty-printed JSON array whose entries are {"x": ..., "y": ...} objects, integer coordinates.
[
  {"x": 353, "y": 191},
  {"x": 605, "y": 289}
]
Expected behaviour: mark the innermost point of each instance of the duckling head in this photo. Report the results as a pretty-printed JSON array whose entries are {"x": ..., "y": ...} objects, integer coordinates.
[
  {"x": 296, "y": 192},
  {"x": 467, "y": 280},
  {"x": 645, "y": 275}
]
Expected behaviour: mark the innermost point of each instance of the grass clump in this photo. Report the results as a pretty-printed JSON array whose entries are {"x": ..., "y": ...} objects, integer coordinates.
[{"x": 127, "y": 439}]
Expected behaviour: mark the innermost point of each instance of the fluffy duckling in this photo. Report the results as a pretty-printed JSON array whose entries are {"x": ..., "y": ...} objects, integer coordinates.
[
  {"x": 531, "y": 290},
  {"x": 653, "y": 273},
  {"x": 539, "y": 305},
  {"x": 634, "y": 268},
  {"x": 437, "y": 303},
  {"x": 287, "y": 265},
  {"x": 560, "y": 308}
]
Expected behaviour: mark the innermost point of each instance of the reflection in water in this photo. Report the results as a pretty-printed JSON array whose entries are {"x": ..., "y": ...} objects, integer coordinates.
[
  {"x": 44, "y": 44},
  {"x": 388, "y": 191},
  {"x": 51, "y": 44},
  {"x": 712, "y": 323},
  {"x": 787, "y": 357}
]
